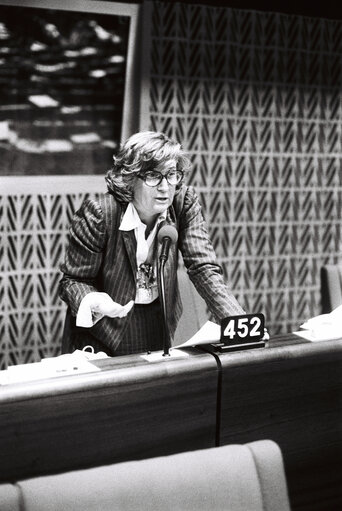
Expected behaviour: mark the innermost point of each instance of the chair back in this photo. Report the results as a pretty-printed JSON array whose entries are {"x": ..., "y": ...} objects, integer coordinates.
[
  {"x": 331, "y": 287},
  {"x": 232, "y": 478}
]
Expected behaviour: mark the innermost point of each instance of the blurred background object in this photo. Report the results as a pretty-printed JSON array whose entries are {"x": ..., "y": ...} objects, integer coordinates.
[{"x": 62, "y": 83}]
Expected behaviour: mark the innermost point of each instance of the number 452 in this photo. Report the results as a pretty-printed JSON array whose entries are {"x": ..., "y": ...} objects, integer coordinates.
[{"x": 241, "y": 327}]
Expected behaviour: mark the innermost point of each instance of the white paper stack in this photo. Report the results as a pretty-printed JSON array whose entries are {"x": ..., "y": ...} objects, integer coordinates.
[
  {"x": 77, "y": 362},
  {"x": 323, "y": 327},
  {"x": 209, "y": 332}
]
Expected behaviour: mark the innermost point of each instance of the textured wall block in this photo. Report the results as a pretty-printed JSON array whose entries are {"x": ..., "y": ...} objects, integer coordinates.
[
  {"x": 258, "y": 100},
  {"x": 34, "y": 230}
]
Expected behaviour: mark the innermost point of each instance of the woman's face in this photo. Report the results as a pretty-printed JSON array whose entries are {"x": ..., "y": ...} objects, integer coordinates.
[{"x": 151, "y": 201}]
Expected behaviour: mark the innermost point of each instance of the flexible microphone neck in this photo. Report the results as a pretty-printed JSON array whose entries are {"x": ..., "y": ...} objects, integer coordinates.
[{"x": 167, "y": 235}]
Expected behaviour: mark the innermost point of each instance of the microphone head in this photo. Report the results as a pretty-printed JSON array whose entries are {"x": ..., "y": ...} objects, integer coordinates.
[{"x": 167, "y": 231}]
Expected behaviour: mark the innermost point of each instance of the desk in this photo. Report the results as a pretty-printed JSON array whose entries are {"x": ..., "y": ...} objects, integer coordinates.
[
  {"x": 292, "y": 394},
  {"x": 289, "y": 392},
  {"x": 132, "y": 409}
]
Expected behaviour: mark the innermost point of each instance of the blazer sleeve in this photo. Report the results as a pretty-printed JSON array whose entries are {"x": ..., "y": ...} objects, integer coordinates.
[
  {"x": 84, "y": 254},
  {"x": 200, "y": 260}
]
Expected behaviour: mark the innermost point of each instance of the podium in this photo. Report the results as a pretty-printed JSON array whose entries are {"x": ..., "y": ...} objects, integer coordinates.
[
  {"x": 292, "y": 394},
  {"x": 131, "y": 409},
  {"x": 289, "y": 392}
]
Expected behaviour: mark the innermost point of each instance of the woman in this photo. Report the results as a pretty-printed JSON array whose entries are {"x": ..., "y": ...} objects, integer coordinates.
[{"x": 110, "y": 279}]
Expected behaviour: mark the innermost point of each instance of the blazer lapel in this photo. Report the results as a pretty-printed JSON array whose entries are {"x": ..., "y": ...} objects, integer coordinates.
[{"x": 131, "y": 248}]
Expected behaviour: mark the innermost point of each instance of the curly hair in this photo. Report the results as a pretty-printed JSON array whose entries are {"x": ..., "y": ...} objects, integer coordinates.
[{"x": 143, "y": 151}]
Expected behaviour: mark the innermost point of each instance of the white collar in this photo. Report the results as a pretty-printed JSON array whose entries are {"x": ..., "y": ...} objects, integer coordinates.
[{"x": 131, "y": 219}]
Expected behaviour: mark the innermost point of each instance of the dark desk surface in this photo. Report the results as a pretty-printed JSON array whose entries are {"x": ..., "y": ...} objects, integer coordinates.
[
  {"x": 289, "y": 392},
  {"x": 131, "y": 409},
  {"x": 292, "y": 394}
]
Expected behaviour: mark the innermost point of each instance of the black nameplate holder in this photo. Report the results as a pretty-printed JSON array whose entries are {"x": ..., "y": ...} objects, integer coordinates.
[{"x": 242, "y": 332}]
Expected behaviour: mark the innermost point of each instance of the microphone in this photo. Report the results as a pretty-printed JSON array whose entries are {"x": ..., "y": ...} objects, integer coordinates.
[{"x": 167, "y": 235}]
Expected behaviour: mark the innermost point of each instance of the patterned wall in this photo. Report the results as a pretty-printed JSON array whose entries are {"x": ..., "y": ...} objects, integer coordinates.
[
  {"x": 256, "y": 98},
  {"x": 33, "y": 228}
]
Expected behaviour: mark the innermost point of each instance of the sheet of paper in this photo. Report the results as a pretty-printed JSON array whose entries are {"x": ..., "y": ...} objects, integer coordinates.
[
  {"x": 51, "y": 369},
  {"x": 309, "y": 336},
  {"x": 76, "y": 357},
  {"x": 323, "y": 327},
  {"x": 209, "y": 332}
]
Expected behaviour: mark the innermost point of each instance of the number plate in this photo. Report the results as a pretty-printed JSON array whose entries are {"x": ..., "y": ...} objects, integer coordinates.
[{"x": 242, "y": 329}]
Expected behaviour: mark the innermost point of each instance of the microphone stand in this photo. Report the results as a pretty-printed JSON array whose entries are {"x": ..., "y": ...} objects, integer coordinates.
[{"x": 167, "y": 339}]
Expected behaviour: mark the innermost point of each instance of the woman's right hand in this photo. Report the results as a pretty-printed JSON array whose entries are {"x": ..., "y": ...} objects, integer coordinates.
[
  {"x": 96, "y": 305},
  {"x": 103, "y": 304}
]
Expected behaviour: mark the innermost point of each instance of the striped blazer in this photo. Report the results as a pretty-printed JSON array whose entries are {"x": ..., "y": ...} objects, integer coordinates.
[{"x": 100, "y": 257}]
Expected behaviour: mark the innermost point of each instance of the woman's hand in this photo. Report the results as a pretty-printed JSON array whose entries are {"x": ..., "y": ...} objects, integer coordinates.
[
  {"x": 96, "y": 305},
  {"x": 103, "y": 304}
]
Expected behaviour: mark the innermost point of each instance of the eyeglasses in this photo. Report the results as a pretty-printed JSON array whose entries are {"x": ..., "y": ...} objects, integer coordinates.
[{"x": 154, "y": 178}]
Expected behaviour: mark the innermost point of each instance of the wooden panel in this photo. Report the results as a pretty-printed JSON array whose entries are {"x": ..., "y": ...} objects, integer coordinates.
[
  {"x": 291, "y": 394},
  {"x": 132, "y": 409}
]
